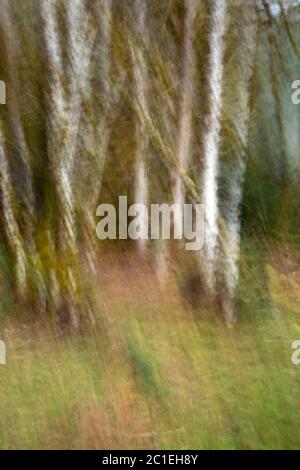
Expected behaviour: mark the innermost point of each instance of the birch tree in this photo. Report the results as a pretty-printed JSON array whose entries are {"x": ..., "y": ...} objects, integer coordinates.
[
  {"x": 64, "y": 115},
  {"x": 212, "y": 139},
  {"x": 239, "y": 111},
  {"x": 142, "y": 142}
]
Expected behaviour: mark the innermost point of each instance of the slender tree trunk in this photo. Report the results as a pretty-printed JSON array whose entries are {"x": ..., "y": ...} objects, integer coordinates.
[
  {"x": 108, "y": 95},
  {"x": 12, "y": 42},
  {"x": 239, "y": 115},
  {"x": 183, "y": 144},
  {"x": 141, "y": 189},
  {"x": 212, "y": 139},
  {"x": 95, "y": 128},
  {"x": 13, "y": 235}
]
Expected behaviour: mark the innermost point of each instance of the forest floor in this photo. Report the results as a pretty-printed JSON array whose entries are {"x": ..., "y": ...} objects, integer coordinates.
[{"x": 161, "y": 373}]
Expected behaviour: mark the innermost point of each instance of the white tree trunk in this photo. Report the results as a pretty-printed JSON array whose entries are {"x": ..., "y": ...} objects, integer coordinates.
[
  {"x": 94, "y": 131},
  {"x": 65, "y": 113},
  {"x": 211, "y": 140},
  {"x": 141, "y": 189},
  {"x": 239, "y": 113},
  {"x": 65, "y": 108}
]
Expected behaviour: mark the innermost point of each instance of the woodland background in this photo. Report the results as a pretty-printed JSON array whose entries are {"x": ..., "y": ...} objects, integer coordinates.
[{"x": 122, "y": 344}]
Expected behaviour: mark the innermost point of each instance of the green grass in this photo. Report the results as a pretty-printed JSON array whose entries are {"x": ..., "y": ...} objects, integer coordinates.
[{"x": 159, "y": 376}]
